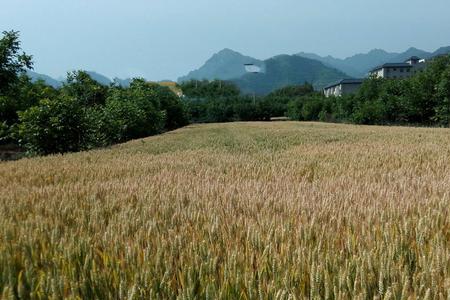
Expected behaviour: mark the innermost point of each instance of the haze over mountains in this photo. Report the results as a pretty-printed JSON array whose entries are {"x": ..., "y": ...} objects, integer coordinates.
[
  {"x": 302, "y": 67},
  {"x": 56, "y": 83},
  {"x": 276, "y": 72},
  {"x": 284, "y": 70},
  {"x": 227, "y": 63},
  {"x": 280, "y": 70},
  {"x": 358, "y": 65}
]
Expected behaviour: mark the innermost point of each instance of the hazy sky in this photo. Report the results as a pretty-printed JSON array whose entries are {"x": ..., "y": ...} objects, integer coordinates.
[{"x": 164, "y": 39}]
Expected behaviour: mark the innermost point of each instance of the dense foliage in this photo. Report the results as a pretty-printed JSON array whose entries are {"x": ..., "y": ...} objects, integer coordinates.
[
  {"x": 83, "y": 113},
  {"x": 219, "y": 101},
  {"x": 420, "y": 100},
  {"x": 12, "y": 61},
  {"x": 423, "y": 99}
]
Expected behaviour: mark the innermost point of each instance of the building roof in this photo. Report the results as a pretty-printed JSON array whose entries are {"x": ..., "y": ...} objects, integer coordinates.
[
  {"x": 413, "y": 58},
  {"x": 391, "y": 65},
  {"x": 345, "y": 81}
]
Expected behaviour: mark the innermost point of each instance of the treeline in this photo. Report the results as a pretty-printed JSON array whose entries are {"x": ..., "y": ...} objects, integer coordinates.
[
  {"x": 221, "y": 101},
  {"x": 81, "y": 115},
  {"x": 84, "y": 114},
  {"x": 423, "y": 99}
]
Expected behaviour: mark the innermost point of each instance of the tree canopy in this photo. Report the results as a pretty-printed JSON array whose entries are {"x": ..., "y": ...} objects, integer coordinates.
[{"x": 13, "y": 62}]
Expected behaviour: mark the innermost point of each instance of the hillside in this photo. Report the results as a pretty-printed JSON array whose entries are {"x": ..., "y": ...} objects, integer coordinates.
[
  {"x": 47, "y": 79},
  {"x": 441, "y": 51},
  {"x": 401, "y": 57},
  {"x": 277, "y": 72},
  {"x": 227, "y": 211},
  {"x": 102, "y": 79},
  {"x": 226, "y": 64},
  {"x": 286, "y": 70}
]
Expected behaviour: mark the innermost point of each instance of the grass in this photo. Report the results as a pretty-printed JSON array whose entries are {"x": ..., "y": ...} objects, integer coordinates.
[{"x": 280, "y": 210}]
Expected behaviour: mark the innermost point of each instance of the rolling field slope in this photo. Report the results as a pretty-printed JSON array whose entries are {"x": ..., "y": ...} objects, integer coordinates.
[{"x": 280, "y": 210}]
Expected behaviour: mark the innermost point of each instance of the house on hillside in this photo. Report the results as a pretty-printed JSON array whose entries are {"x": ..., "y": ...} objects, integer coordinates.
[
  {"x": 343, "y": 87},
  {"x": 399, "y": 70}
]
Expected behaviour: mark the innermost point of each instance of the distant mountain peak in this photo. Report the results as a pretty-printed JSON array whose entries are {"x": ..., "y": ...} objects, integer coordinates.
[
  {"x": 377, "y": 51},
  {"x": 283, "y": 70},
  {"x": 228, "y": 64},
  {"x": 47, "y": 79},
  {"x": 359, "y": 64},
  {"x": 227, "y": 51},
  {"x": 102, "y": 79},
  {"x": 225, "y": 65},
  {"x": 440, "y": 51}
]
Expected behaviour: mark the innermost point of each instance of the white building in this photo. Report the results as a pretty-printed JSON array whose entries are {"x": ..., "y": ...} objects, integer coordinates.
[
  {"x": 342, "y": 87},
  {"x": 399, "y": 70}
]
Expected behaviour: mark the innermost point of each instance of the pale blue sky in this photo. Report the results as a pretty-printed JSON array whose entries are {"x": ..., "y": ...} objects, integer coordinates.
[{"x": 164, "y": 39}]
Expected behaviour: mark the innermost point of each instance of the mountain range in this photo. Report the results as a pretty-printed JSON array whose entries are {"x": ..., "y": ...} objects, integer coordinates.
[
  {"x": 283, "y": 70},
  {"x": 47, "y": 79},
  {"x": 102, "y": 79},
  {"x": 278, "y": 71},
  {"x": 358, "y": 65},
  {"x": 225, "y": 65}
]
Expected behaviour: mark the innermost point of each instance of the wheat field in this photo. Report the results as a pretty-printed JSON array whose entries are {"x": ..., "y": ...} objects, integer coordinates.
[{"x": 281, "y": 210}]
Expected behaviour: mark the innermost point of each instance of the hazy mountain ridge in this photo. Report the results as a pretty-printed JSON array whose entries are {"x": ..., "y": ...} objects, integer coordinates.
[
  {"x": 100, "y": 78},
  {"x": 358, "y": 65},
  {"x": 283, "y": 70},
  {"x": 225, "y": 65},
  {"x": 47, "y": 79},
  {"x": 277, "y": 71}
]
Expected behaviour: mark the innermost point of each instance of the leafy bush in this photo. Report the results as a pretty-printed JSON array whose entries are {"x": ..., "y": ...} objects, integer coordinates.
[
  {"x": 125, "y": 120},
  {"x": 369, "y": 112},
  {"x": 54, "y": 126},
  {"x": 83, "y": 114},
  {"x": 203, "y": 107},
  {"x": 12, "y": 61},
  {"x": 81, "y": 86},
  {"x": 4, "y": 133},
  {"x": 196, "y": 89},
  {"x": 8, "y": 110},
  {"x": 442, "y": 109}
]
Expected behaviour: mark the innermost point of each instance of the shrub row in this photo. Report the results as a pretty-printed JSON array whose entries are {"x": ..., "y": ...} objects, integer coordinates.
[{"x": 84, "y": 114}]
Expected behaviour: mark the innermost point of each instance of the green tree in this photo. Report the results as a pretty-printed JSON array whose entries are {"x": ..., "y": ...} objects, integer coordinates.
[
  {"x": 82, "y": 87},
  {"x": 245, "y": 109},
  {"x": 293, "y": 91},
  {"x": 219, "y": 111},
  {"x": 124, "y": 120},
  {"x": 196, "y": 89},
  {"x": 134, "y": 112},
  {"x": 13, "y": 62},
  {"x": 370, "y": 112},
  {"x": 175, "y": 111},
  {"x": 54, "y": 126},
  {"x": 312, "y": 107},
  {"x": 276, "y": 103},
  {"x": 443, "y": 94}
]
